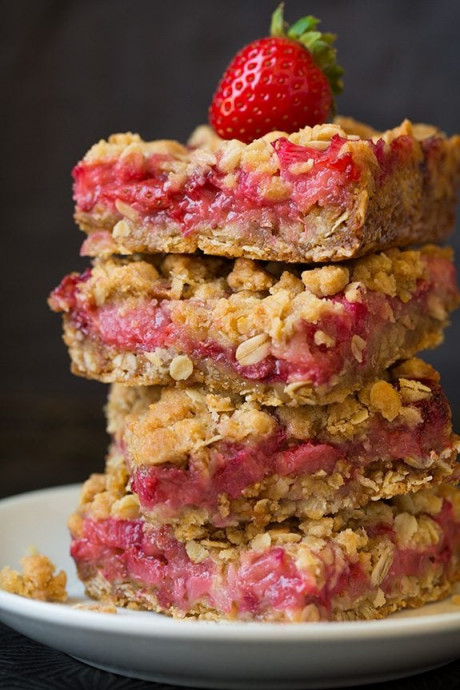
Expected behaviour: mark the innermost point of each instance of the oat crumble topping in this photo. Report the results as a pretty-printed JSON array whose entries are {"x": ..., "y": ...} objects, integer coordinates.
[{"x": 37, "y": 580}]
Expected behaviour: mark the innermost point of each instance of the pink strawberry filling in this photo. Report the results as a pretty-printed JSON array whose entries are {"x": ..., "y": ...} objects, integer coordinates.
[
  {"x": 204, "y": 198},
  {"x": 155, "y": 560},
  {"x": 166, "y": 490},
  {"x": 261, "y": 581},
  {"x": 149, "y": 324}
]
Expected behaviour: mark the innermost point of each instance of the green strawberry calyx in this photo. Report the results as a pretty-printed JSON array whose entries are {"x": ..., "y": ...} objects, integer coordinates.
[{"x": 319, "y": 44}]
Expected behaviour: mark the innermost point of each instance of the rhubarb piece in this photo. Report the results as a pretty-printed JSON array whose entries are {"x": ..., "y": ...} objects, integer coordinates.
[
  {"x": 326, "y": 193},
  {"x": 275, "y": 335},
  {"x": 196, "y": 458},
  {"x": 359, "y": 564}
]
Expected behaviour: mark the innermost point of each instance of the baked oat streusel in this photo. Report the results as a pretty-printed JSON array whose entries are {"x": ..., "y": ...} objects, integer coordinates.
[
  {"x": 358, "y": 564},
  {"x": 276, "y": 334},
  {"x": 325, "y": 193},
  {"x": 196, "y": 457},
  {"x": 38, "y": 579}
]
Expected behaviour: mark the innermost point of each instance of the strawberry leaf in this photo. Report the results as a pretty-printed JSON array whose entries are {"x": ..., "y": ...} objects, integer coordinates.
[
  {"x": 277, "y": 25},
  {"x": 301, "y": 26},
  {"x": 319, "y": 44}
]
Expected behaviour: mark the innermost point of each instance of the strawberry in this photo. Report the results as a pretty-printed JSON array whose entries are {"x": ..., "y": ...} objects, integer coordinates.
[{"x": 282, "y": 82}]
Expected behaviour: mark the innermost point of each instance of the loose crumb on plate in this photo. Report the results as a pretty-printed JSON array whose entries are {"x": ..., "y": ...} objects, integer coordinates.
[
  {"x": 37, "y": 580},
  {"x": 96, "y": 608}
]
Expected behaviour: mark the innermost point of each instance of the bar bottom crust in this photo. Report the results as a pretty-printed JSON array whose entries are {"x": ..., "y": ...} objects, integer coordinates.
[{"x": 136, "y": 597}]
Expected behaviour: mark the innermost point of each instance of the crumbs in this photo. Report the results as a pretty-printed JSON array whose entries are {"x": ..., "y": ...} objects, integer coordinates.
[
  {"x": 96, "y": 608},
  {"x": 37, "y": 579}
]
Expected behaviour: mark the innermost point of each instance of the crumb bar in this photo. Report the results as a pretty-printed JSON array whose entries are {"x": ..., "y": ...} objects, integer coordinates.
[
  {"x": 195, "y": 458},
  {"x": 327, "y": 193},
  {"x": 276, "y": 334},
  {"x": 359, "y": 564}
]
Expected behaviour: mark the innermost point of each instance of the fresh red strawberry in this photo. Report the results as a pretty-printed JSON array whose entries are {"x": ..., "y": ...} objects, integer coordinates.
[{"x": 285, "y": 81}]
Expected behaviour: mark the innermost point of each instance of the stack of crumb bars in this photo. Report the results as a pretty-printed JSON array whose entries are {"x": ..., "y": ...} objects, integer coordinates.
[{"x": 278, "y": 453}]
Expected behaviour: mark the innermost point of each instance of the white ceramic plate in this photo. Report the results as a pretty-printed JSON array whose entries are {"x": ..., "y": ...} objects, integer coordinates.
[{"x": 210, "y": 655}]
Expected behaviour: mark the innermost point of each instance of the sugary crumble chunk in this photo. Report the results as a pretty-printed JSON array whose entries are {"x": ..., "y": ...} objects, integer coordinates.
[
  {"x": 326, "y": 281},
  {"x": 247, "y": 275},
  {"x": 416, "y": 368},
  {"x": 196, "y": 552},
  {"x": 37, "y": 580},
  {"x": 394, "y": 273},
  {"x": 385, "y": 399}
]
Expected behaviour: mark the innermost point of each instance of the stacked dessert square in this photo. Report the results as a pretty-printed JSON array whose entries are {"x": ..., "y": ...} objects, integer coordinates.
[{"x": 277, "y": 450}]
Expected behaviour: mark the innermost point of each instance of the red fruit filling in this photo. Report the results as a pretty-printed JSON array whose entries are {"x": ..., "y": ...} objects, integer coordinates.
[
  {"x": 154, "y": 561},
  {"x": 204, "y": 198},
  {"x": 149, "y": 324},
  {"x": 167, "y": 490}
]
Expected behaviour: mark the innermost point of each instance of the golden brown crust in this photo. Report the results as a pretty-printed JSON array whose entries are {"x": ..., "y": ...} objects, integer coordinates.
[
  {"x": 416, "y": 594},
  {"x": 412, "y": 202},
  {"x": 132, "y": 597}
]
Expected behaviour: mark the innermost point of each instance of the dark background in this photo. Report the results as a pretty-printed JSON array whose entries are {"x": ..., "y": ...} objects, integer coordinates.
[{"x": 74, "y": 72}]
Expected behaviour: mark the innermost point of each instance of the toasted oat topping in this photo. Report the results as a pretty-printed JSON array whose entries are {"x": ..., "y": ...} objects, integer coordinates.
[
  {"x": 410, "y": 523},
  {"x": 326, "y": 281},
  {"x": 394, "y": 273},
  {"x": 258, "y": 154},
  {"x": 252, "y": 306},
  {"x": 38, "y": 579},
  {"x": 167, "y": 425},
  {"x": 182, "y": 422}
]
